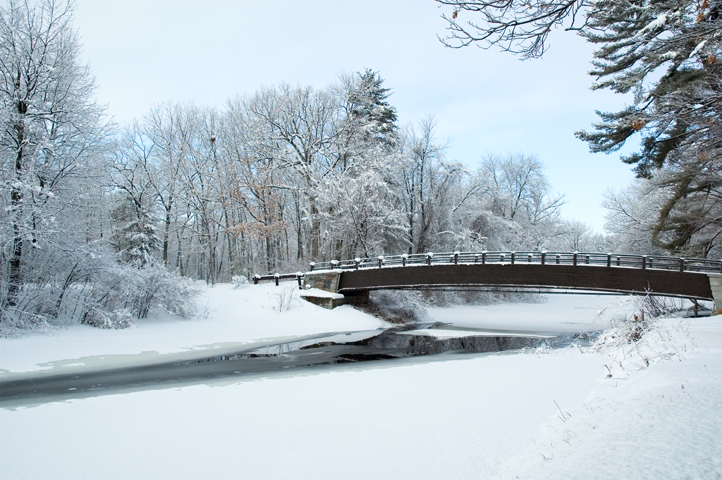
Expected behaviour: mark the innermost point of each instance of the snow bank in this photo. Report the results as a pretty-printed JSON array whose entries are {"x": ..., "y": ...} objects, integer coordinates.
[
  {"x": 654, "y": 414},
  {"x": 228, "y": 318}
]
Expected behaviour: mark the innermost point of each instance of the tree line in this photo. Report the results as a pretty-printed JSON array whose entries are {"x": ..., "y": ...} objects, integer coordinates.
[{"x": 291, "y": 175}]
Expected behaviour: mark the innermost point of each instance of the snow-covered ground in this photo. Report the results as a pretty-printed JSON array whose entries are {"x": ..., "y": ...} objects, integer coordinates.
[{"x": 645, "y": 410}]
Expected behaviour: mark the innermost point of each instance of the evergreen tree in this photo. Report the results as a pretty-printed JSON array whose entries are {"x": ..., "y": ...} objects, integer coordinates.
[
  {"x": 137, "y": 237},
  {"x": 677, "y": 115},
  {"x": 369, "y": 109}
]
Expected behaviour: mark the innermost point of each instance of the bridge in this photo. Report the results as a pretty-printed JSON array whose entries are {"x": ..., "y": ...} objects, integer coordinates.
[{"x": 697, "y": 279}]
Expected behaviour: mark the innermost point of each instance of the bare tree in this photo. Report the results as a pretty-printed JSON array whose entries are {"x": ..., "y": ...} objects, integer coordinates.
[
  {"x": 516, "y": 190},
  {"x": 50, "y": 127},
  {"x": 515, "y": 26},
  {"x": 299, "y": 130}
]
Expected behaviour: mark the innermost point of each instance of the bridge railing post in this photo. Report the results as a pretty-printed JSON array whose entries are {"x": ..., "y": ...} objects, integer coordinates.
[
  {"x": 574, "y": 259},
  {"x": 429, "y": 256},
  {"x": 528, "y": 258},
  {"x": 609, "y": 259},
  {"x": 681, "y": 264},
  {"x": 483, "y": 257},
  {"x": 644, "y": 262},
  {"x": 502, "y": 257},
  {"x": 456, "y": 258},
  {"x": 558, "y": 256},
  {"x": 277, "y": 277},
  {"x": 619, "y": 262},
  {"x": 513, "y": 255},
  {"x": 256, "y": 278},
  {"x": 334, "y": 264},
  {"x": 403, "y": 259},
  {"x": 650, "y": 262},
  {"x": 543, "y": 257},
  {"x": 299, "y": 278},
  {"x": 586, "y": 259},
  {"x": 356, "y": 262},
  {"x": 381, "y": 260},
  {"x": 312, "y": 265}
]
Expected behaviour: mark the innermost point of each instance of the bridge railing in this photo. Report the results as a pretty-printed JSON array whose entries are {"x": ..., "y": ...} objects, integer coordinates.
[{"x": 658, "y": 262}]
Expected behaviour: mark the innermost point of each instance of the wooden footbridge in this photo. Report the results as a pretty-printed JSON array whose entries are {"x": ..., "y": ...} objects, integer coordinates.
[{"x": 697, "y": 279}]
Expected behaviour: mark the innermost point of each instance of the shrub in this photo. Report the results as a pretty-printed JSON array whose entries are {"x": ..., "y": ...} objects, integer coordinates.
[{"x": 99, "y": 318}]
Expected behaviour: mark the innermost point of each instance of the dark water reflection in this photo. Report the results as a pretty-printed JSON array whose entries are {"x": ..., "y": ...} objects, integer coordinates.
[{"x": 315, "y": 352}]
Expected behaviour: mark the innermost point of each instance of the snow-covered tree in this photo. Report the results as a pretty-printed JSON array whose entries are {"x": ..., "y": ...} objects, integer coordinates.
[
  {"x": 427, "y": 180},
  {"x": 51, "y": 129},
  {"x": 631, "y": 216},
  {"x": 576, "y": 236},
  {"x": 518, "y": 194},
  {"x": 297, "y": 128},
  {"x": 360, "y": 194},
  {"x": 666, "y": 54},
  {"x": 368, "y": 119},
  {"x": 136, "y": 236},
  {"x": 516, "y": 26}
]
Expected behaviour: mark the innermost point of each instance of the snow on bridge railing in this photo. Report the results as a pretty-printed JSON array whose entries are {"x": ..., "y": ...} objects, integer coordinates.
[
  {"x": 277, "y": 277},
  {"x": 658, "y": 262}
]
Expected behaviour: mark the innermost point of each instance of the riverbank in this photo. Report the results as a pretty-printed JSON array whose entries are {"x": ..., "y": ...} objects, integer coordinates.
[{"x": 227, "y": 317}]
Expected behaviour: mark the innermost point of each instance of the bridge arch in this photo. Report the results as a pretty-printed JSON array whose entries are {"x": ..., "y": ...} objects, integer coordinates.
[{"x": 611, "y": 273}]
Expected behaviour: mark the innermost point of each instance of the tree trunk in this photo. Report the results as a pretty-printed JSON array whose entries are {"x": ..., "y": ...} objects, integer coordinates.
[
  {"x": 315, "y": 232},
  {"x": 16, "y": 200},
  {"x": 166, "y": 233}
]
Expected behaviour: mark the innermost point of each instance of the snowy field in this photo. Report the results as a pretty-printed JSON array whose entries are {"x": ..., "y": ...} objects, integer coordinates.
[{"x": 645, "y": 410}]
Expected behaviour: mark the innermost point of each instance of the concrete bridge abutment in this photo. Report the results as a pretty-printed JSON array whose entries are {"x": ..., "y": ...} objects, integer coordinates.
[
  {"x": 329, "y": 282},
  {"x": 715, "y": 283}
]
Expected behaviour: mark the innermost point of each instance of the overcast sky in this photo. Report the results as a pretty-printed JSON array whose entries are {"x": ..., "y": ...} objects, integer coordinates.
[{"x": 144, "y": 52}]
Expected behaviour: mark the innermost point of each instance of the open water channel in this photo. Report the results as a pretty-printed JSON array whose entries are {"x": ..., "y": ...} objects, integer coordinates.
[{"x": 319, "y": 351}]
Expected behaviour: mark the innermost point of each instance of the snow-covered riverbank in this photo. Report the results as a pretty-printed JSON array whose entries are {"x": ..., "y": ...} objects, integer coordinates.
[
  {"x": 227, "y": 318},
  {"x": 541, "y": 414}
]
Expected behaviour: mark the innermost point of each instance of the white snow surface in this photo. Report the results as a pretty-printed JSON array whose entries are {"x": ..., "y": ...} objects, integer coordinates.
[
  {"x": 649, "y": 409},
  {"x": 316, "y": 292}
]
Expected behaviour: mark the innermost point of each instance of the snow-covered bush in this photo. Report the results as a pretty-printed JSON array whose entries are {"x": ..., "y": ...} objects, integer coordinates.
[
  {"x": 140, "y": 290},
  {"x": 99, "y": 318},
  {"x": 396, "y": 306},
  {"x": 648, "y": 308},
  {"x": 157, "y": 287},
  {"x": 15, "y": 322},
  {"x": 238, "y": 280}
]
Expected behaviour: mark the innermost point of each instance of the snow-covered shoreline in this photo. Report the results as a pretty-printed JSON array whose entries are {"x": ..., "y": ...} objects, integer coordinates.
[{"x": 228, "y": 318}]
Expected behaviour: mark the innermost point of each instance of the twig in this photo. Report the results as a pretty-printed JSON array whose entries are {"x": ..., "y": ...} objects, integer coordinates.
[{"x": 564, "y": 417}]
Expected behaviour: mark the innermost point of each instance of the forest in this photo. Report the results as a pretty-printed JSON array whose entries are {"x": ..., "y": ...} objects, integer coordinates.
[{"x": 102, "y": 222}]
